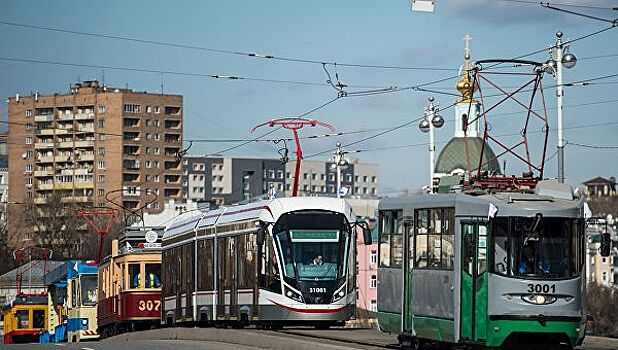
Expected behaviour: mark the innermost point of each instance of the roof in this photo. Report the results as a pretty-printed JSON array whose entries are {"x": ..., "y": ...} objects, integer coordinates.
[
  {"x": 37, "y": 272},
  {"x": 599, "y": 180},
  {"x": 453, "y": 156},
  {"x": 266, "y": 210}
]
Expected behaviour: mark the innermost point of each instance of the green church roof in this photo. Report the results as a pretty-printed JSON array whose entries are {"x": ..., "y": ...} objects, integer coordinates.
[{"x": 453, "y": 156}]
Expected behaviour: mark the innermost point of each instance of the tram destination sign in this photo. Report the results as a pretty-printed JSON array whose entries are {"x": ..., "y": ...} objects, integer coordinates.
[{"x": 314, "y": 235}]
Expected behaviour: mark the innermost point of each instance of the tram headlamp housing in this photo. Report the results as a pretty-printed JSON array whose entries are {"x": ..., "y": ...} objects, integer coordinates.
[
  {"x": 340, "y": 293},
  {"x": 84, "y": 323},
  {"x": 292, "y": 295},
  {"x": 538, "y": 299}
]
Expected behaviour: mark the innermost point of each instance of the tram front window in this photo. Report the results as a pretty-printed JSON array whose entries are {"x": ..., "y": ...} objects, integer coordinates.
[
  {"x": 89, "y": 290},
  {"x": 537, "y": 247},
  {"x": 312, "y": 245}
]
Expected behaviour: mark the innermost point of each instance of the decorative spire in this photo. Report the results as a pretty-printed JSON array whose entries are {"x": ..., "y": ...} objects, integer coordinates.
[{"x": 464, "y": 86}]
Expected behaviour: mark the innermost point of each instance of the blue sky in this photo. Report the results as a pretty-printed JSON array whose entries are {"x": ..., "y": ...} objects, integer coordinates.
[{"x": 366, "y": 32}]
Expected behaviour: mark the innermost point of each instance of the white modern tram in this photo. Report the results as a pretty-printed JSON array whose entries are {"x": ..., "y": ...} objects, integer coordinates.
[{"x": 273, "y": 263}]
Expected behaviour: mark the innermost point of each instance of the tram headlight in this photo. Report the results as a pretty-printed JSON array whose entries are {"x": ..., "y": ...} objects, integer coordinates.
[
  {"x": 340, "y": 293},
  {"x": 84, "y": 323},
  {"x": 538, "y": 299},
  {"x": 292, "y": 295}
]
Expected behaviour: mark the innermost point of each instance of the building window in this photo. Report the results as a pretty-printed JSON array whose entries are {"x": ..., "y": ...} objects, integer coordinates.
[
  {"x": 271, "y": 173},
  {"x": 373, "y": 257},
  {"x": 28, "y": 167},
  {"x": 348, "y": 178},
  {"x": 157, "y": 110},
  {"x": 28, "y": 140},
  {"x": 101, "y": 151},
  {"x": 156, "y": 178},
  {"x": 156, "y": 150},
  {"x": 101, "y": 165},
  {"x": 132, "y": 108},
  {"x": 331, "y": 176},
  {"x": 374, "y": 179},
  {"x": 101, "y": 193},
  {"x": 374, "y": 191},
  {"x": 148, "y": 164},
  {"x": 29, "y": 194},
  {"x": 28, "y": 113},
  {"x": 314, "y": 176},
  {"x": 331, "y": 188},
  {"x": 373, "y": 283},
  {"x": 373, "y": 307},
  {"x": 28, "y": 181},
  {"x": 102, "y": 137},
  {"x": 280, "y": 174},
  {"x": 356, "y": 178},
  {"x": 101, "y": 109},
  {"x": 28, "y": 154},
  {"x": 305, "y": 176},
  {"x": 148, "y": 109},
  {"x": 101, "y": 123},
  {"x": 28, "y": 127},
  {"x": 101, "y": 178},
  {"x": 287, "y": 187},
  {"x": 365, "y": 178}
]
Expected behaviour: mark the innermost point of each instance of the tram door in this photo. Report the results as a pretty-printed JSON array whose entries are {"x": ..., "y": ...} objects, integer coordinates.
[
  {"x": 227, "y": 293},
  {"x": 474, "y": 281},
  {"x": 407, "y": 275}
]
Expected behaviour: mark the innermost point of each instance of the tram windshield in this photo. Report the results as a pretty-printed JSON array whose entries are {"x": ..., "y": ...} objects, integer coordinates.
[
  {"x": 313, "y": 245},
  {"x": 89, "y": 290},
  {"x": 538, "y": 247}
]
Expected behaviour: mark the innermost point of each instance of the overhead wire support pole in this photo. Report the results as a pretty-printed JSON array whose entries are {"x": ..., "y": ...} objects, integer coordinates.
[{"x": 295, "y": 124}]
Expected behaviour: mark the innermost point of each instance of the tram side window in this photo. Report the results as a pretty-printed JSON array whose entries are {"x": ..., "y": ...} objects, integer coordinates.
[
  {"x": 246, "y": 260},
  {"x": 38, "y": 318},
  {"x": 435, "y": 238},
  {"x": 205, "y": 257},
  {"x": 391, "y": 239},
  {"x": 135, "y": 276},
  {"x": 73, "y": 294},
  {"x": 23, "y": 320},
  {"x": 153, "y": 273}
]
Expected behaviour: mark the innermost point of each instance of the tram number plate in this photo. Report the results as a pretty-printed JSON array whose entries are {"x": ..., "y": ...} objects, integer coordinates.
[
  {"x": 317, "y": 290},
  {"x": 149, "y": 305},
  {"x": 541, "y": 288}
]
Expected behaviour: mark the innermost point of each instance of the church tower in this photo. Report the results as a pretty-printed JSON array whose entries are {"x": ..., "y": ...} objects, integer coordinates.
[{"x": 453, "y": 158}]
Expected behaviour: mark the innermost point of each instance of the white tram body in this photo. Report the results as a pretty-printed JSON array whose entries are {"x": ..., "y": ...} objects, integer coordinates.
[{"x": 222, "y": 266}]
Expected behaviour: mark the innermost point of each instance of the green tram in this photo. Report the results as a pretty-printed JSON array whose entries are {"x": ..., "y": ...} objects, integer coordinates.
[{"x": 485, "y": 269}]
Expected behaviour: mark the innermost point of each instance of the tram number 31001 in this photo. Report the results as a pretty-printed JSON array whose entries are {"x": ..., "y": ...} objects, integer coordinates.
[
  {"x": 149, "y": 305},
  {"x": 541, "y": 288}
]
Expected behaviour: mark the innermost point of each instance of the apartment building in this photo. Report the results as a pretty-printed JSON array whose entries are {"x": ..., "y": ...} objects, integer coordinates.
[
  {"x": 94, "y": 141},
  {"x": 320, "y": 178}
]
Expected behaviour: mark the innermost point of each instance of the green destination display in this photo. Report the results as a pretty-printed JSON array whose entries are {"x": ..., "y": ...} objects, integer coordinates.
[{"x": 314, "y": 235}]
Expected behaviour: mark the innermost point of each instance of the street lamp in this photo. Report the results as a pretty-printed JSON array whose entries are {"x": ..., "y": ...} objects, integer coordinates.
[
  {"x": 339, "y": 163},
  {"x": 432, "y": 120},
  {"x": 568, "y": 60}
]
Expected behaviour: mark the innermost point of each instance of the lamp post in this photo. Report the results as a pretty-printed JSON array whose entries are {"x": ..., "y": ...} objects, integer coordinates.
[
  {"x": 432, "y": 120},
  {"x": 340, "y": 163},
  {"x": 568, "y": 60}
]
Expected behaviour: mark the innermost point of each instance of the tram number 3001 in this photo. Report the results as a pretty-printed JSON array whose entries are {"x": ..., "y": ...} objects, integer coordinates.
[
  {"x": 149, "y": 305},
  {"x": 541, "y": 288}
]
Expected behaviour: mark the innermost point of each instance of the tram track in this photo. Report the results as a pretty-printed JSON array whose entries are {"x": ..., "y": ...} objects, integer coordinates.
[{"x": 338, "y": 337}]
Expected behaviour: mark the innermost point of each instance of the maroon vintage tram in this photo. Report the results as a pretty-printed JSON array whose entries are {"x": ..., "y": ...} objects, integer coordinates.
[{"x": 130, "y": 282}]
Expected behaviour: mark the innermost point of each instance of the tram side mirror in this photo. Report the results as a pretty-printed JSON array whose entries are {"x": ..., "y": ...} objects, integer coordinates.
[
  {"x": 469, "y": 245},
  {"x": 261, "y": 233},
  {"x": 606, "y": 244},
  {"x": 366, "y": 233}
]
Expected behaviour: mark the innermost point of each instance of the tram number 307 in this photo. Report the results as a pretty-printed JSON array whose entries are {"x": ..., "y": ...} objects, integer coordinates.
[
  {"x": 541, "y": 288},
  {"x": 149, "y": 305}
]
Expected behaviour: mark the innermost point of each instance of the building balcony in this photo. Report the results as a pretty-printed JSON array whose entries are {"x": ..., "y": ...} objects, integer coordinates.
[
  {"x": 89, "y": 128},
  {"x": 44, "y": 118},
  {"x": 64, "y": 144},
  {"x": 75, "y": 172},
  {"x": 63, "y": 158},
  {"x": 40, "y": 200},
  {"x": 45, "y": 159},
  {"x": 46, "y": 186},
  {"x": 85, "y": 157},
  {"x": 84, "y": 116},
  {"x": 44, "y": 132},
  {"x": 42, "y": 145},
  {"x": 65, "y": 116},
  {"x": 43, "y": 173},
  {"x": 73, "y": 185},
  {"x": 76, "y": 199},
  {"x": 83, "y": 144}
]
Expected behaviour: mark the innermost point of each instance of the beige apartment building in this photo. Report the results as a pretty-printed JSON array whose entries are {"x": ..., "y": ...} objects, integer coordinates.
[{"x": 95, "y": 141}]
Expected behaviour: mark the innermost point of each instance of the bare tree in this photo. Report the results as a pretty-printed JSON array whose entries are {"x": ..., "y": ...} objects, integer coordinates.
[
  {"x": 53, "y": 225},
  {"x": 602, "y": 303}
]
